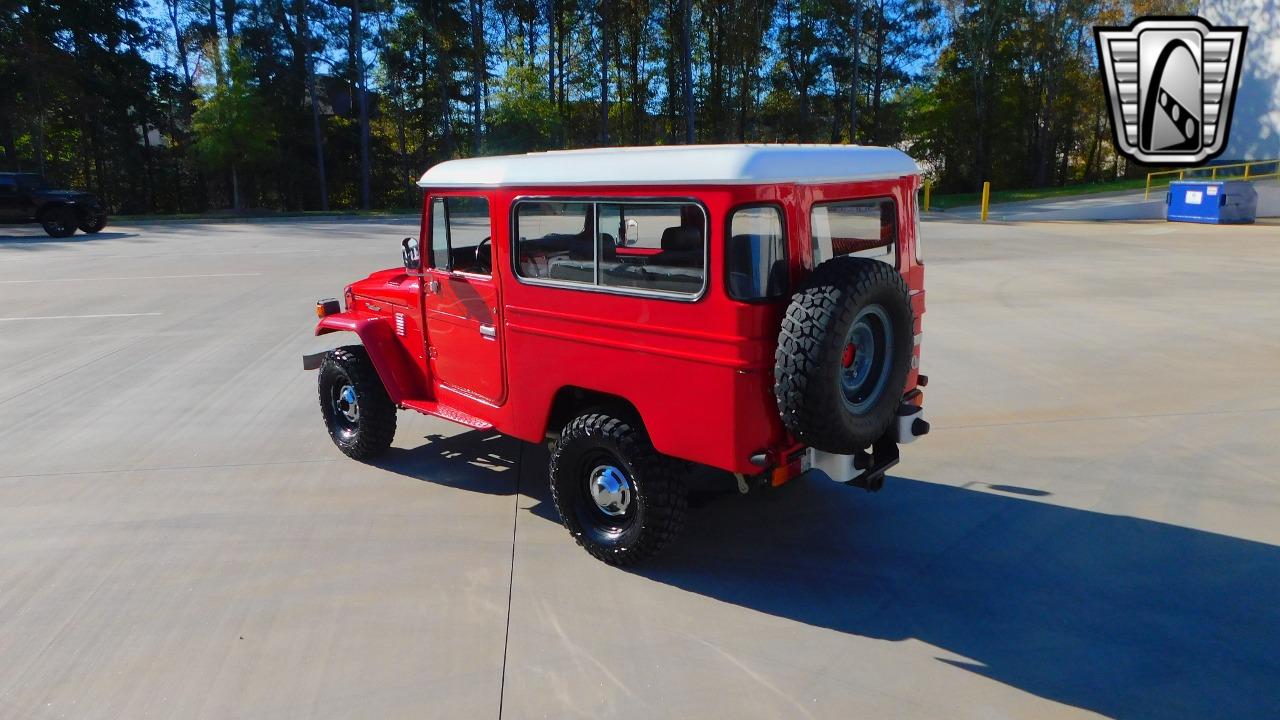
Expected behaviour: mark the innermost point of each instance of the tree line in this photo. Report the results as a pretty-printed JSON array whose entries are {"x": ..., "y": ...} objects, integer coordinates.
[{"x": 192, "y": 105}]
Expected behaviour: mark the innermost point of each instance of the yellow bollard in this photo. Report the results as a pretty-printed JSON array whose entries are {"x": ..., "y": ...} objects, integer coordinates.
[
  {"x": 928, "y": 186},
  {"x": 1147, "y": 193},
  {"x": 1246, "y": 171},
  {"x": 986, "y": 199},
  {"x": 1214, "y": 176}
]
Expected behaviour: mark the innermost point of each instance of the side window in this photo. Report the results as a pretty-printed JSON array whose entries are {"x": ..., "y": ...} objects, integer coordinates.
[
  {"x": 460, "y": 234},
  {"x": 653, "y": 246},
  {"x": 8, "y": 186},
  {"x": 553, "y": 241},
  {"x": 756, "y": 254},
  {"x": 863, "y": 228}
]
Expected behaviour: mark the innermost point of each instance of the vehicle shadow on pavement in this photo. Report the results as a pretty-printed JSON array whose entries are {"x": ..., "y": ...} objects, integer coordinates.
[
  {"x": 42, "y": 239},
  {"x": 1118, "y": 615},
  {"x": 479, "y": 461}
]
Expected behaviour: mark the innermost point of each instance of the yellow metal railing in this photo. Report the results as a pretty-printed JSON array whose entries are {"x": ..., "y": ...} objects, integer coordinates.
[{"x": 1213, "y": 171}]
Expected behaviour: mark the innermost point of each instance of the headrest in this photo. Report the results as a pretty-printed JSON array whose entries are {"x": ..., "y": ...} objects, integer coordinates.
[{"x": 682, "y": 238}]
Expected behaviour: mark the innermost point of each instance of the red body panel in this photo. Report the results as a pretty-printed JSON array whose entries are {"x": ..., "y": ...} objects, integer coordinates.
[
  {"x": 393, "y": 355},
  {"x": 464, "y": 361},
  {"x": 699, "y": 372}
]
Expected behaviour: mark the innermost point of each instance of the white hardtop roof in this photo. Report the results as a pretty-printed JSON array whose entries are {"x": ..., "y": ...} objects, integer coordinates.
[{"x": 677, "y": 165}]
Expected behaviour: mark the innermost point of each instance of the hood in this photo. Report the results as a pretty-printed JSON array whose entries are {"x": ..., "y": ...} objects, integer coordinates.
[{"x": 393, "y": 286}]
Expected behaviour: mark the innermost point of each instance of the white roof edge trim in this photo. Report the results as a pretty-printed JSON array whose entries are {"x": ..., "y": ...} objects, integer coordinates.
[{"x": 676, "y": 165}]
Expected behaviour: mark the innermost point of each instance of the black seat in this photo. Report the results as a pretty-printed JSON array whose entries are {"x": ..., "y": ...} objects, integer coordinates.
[
  {"x": 681, "y": 247},
  {"x": 757, "y": 266}
]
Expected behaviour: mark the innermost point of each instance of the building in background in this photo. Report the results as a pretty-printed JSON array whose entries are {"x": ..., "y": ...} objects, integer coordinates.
[{"x": 1255, "y": 125}]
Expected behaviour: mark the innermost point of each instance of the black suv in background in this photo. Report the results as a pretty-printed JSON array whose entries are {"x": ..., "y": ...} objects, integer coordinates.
[{"x": 27, "y": 198}]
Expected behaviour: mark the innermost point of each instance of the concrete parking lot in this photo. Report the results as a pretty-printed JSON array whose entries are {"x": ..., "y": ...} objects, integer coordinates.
[{"x": 1092, "y": 527}]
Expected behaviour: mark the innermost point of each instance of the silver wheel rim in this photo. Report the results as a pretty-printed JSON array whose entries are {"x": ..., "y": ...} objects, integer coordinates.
[
  {"x": 347, "y": 404},
  {"x": 610, "y": 490}
]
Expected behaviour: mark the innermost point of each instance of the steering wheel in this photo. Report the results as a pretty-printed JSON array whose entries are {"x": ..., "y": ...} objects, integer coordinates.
[{"x": 487, "y": 267}]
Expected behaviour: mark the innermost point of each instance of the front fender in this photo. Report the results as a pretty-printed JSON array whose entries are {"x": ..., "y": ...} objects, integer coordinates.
[{"x": 399, "y": 373}]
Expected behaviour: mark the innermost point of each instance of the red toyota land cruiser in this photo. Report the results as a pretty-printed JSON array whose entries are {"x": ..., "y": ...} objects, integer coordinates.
[{"x": 754, "y": 308}]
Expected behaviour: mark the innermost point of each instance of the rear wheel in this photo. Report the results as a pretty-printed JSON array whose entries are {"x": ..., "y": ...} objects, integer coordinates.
[
  {"x": 360, "y": 417},
  {"x": 93, "y": 223},
  {"x": 620, "y": 499},
  {"x": 59, "y": 222}
]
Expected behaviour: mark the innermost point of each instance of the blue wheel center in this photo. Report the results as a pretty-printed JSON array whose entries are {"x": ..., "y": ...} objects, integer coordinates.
[{"x": 865, "y": 362}]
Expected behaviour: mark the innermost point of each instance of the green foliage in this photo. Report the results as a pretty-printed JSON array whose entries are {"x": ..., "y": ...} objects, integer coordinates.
[
  {"x": 231, "y": 124},
  {"x": 139, "y": 102},
  {"x": 523, "y": 118},
  {"x": 1015, "y": 99}
]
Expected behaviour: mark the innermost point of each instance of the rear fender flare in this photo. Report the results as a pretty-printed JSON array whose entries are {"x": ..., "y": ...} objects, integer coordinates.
[{"x": 399, "y": 373}]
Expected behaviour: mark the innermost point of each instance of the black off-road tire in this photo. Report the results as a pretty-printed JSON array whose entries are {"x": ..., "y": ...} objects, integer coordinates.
[
  {"x": 656, "y": 511},
  {"x": 373, "y": 429},
  {"x": 93, "y": 223},
  {"x": 59, "y": 222},
  {"x": 811, "y": 354}
]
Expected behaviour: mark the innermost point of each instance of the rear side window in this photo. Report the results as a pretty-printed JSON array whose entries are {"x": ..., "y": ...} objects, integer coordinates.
[
  {"x": 555, "y": 241},
  {"x": 460, "y": 232},
  {"x": 657, "y": 246},
  {"x": 650, "y": 247},
  {"x": 862, "y": 228},
  {"x": 757, "y": 254}
]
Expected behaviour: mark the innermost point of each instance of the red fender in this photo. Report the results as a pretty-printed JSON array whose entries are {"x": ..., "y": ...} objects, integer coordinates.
[{"x": 396, "y": 369}]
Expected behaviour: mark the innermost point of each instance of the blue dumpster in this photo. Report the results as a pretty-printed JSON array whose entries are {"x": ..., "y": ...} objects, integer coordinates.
[{"x": 1211, "y": 201}]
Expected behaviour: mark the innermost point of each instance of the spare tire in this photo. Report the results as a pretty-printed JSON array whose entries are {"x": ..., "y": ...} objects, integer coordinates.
[{"x": 843, "y": 355}]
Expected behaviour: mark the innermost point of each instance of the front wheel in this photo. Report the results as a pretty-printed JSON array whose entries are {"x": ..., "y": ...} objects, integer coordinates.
[
  {"x": 59, "y": 222},
  {"x": 360, "y": 417},
  {"x": 619, "y": 498}
]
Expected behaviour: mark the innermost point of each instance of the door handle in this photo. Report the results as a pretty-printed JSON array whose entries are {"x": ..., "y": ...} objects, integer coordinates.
[
  {"x": 488, "y": 331},
  {"x": 433, "y": 286}
]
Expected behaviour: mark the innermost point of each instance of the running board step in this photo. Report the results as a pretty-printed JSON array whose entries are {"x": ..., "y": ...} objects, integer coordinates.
[{"x": 448, "y": 412}]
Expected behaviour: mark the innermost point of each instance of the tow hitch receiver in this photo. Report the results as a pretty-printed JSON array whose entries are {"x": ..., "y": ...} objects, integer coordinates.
[
  {"x": 883, "y": 455},
  {"x": 869, "y": 466}
]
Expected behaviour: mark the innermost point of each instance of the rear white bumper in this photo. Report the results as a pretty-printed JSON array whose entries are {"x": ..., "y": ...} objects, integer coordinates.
[
  {"x": 867, "y": 469},
  {"x": 909, "y": 425}
]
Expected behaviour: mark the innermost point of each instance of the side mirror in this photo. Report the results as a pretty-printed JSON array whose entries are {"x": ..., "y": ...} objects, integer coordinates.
[
  {"x": 412, "y": 260},
  {"x": 631, "y": 235}
]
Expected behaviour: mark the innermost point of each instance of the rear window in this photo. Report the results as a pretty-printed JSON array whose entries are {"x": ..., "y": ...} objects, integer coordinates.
[
  {"x": 862, "y": 228},
  {"x": 757, "y": 254}
]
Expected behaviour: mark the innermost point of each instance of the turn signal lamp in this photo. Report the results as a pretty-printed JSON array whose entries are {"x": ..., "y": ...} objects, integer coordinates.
[{"x": 327, "y": 307}]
